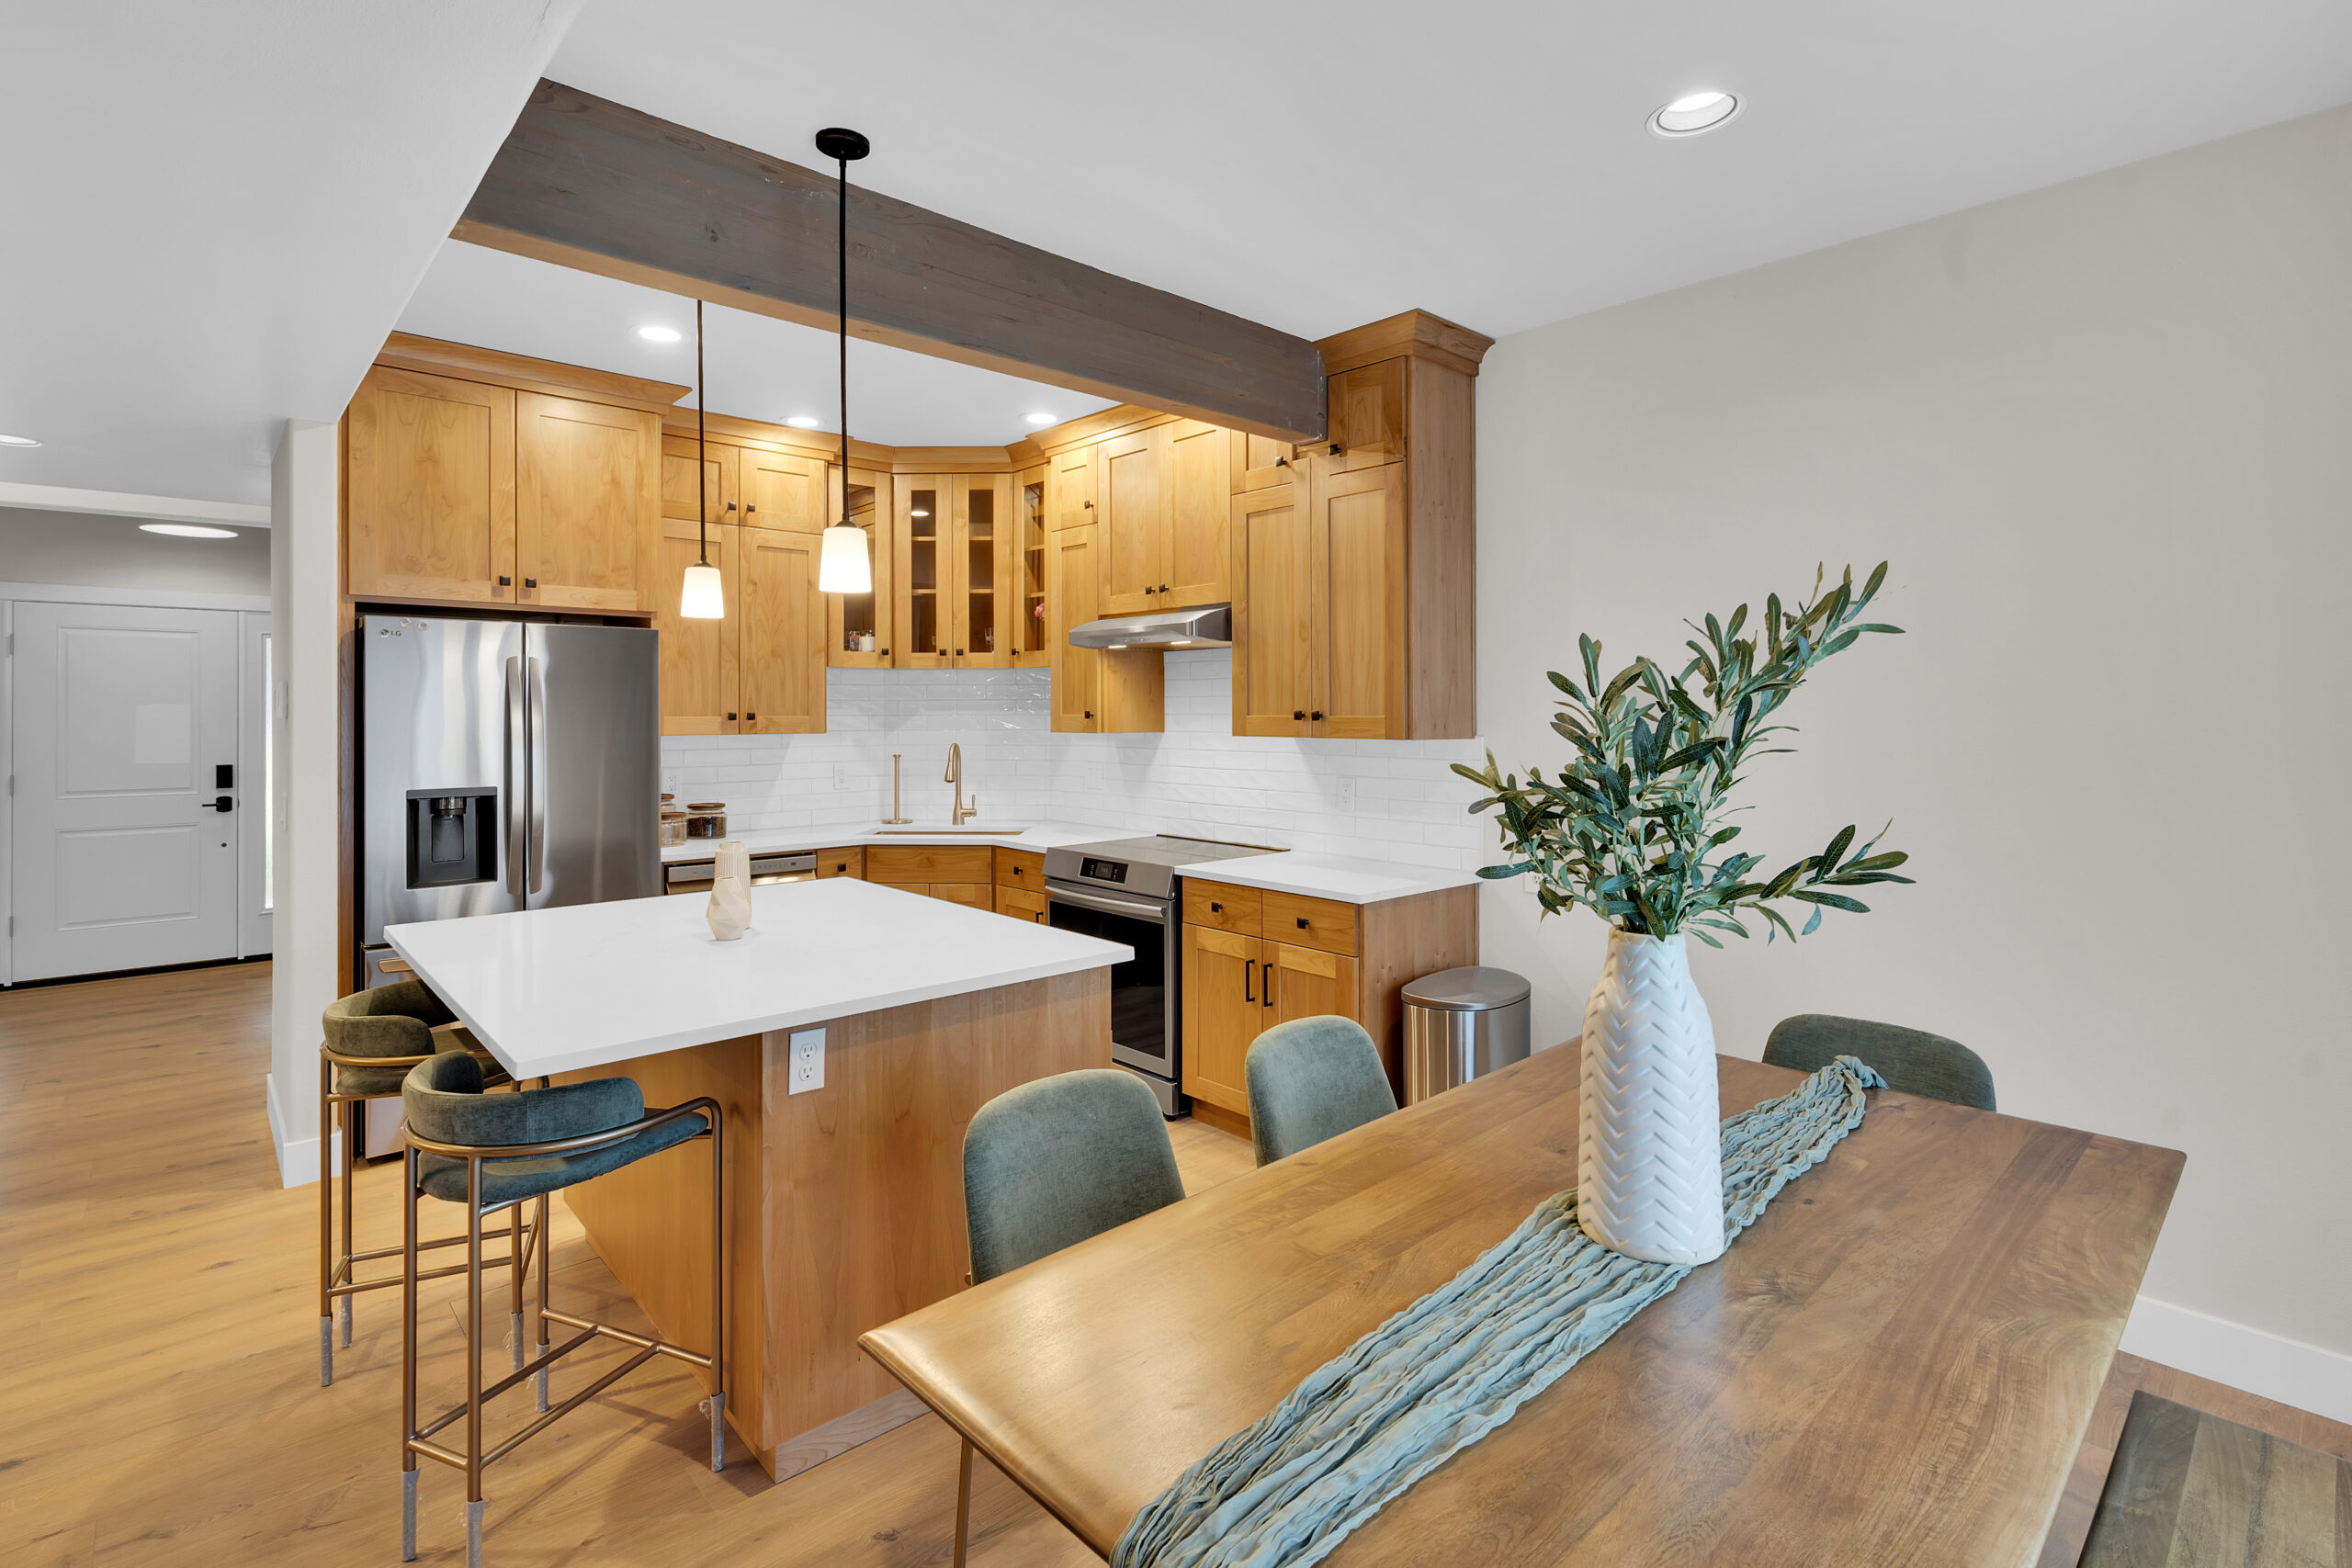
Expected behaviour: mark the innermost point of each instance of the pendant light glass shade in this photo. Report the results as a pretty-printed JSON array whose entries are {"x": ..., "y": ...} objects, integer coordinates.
[
  {"x": 702, "y": 599},
  {"x": 844, "y": 567}
]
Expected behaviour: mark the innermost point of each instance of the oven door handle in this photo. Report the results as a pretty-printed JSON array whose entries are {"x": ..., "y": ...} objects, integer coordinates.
[{"x": 1104, "y": 903}]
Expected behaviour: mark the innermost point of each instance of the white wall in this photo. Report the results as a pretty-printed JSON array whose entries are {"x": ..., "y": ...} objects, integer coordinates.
[
  {"x": 2104, "y": 432},
  {"x": 305, "y": 782},
  {"x": 110, "y": 552},
  {"x": 1372, "y": 799}
]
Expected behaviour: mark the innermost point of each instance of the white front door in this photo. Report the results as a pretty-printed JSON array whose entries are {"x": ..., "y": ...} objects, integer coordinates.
[{"x": 126, "y": 723}]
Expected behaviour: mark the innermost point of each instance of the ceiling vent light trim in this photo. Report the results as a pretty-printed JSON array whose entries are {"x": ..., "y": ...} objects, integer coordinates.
[
  {"x": 1695, "y": 114},
  {"x": 1205, "y": 626}
]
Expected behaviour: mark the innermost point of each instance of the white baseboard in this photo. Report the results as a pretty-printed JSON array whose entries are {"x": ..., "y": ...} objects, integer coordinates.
[
  {"x": 298, "y": 1158},
  {"x": 2287, "y": 1370}
]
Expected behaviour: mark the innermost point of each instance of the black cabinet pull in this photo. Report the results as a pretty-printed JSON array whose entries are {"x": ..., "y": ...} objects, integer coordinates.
[
  {"x": 1299, "y": 713},
  {"x": 1247, "y": 966},
  {"x": 959, "y": 653},
  {"x": 505, "y": 583},
  {"x": 749, "y": 507},
  {"x": 1268, "y": 1001},
  {"x": 730, "y": 716},
  {"x": 730, "y": 506},
  {"x": 1163, "y": 588},
  {"x": 1318, "y": 715},
  {"x": 750, "y": 716},
  {"x": 1090, "y": 506},
  {"x": 530, "y": 582},
  {"x": 1215, "y": 909},
  {"x": 1090, "y": 713},
  {"x": 1282, "y": 462},
  {"x": 1302, "y": 922}
]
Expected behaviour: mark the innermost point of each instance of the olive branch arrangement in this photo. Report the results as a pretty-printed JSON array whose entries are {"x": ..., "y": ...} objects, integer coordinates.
[{"x": 1625, "y": 828}]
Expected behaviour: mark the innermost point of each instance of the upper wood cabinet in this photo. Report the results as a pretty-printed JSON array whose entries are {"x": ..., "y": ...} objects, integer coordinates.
[
  {"x": 588, "y": 498},
  {"x": 718, "y": 484},
  {"x": 984, "y": 529},
  {"x": 781, "y": 490},
  {"x": 923, "y": 571},
  {"x": 780, "y": 651},
  {"x": 473, "y": 477},
  {"x": 849, "y": 617},
  {"x": 1025, "y": 571},
  {"x": 1259, "y": 462},
  {"x": 1070, "y": 487},
  {"x": 1131, "y": 490},
  {"x": 1368, "y": 414},
  {"x": 1095, "y": 691},
  {"x": 429, "y": 489},
  {"x": 1196, "y": 558},
  {"x": 1274, "y": 674},
  {"x": 697, "y": 657}
]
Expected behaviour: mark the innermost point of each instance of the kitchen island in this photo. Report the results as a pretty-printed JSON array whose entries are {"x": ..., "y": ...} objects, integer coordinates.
[{"x": 850, "y": 1036}]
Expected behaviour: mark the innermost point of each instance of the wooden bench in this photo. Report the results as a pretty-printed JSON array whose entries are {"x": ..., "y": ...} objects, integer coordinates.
[{"x": 2192, "y": 1488}]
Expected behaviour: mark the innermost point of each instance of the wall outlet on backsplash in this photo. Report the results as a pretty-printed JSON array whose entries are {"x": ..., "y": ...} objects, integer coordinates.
[
  {"x": 841, "y": 776},
  {"x": 1343, "y": 797},
  {"x": 670, "y": 781}
]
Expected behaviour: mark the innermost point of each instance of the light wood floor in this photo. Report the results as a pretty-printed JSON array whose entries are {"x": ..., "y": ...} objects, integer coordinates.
[{"x": 159, "y": 1398}]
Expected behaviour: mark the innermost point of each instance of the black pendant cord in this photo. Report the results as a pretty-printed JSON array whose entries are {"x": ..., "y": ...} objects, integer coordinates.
[
  {"x": 702, "y": 455},
  {"x": 843, "y": 265}
]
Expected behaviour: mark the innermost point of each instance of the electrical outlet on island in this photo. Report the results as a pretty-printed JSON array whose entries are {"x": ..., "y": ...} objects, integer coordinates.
[{"x": 807, "y": 1060}]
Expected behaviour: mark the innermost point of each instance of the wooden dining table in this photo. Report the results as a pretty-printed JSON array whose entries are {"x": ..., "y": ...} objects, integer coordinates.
[{"x": 1895, "y": 1365}]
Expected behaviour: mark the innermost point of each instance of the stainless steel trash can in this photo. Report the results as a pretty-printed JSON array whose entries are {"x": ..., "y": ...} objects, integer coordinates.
[{"x": 1461, "y": 1025}]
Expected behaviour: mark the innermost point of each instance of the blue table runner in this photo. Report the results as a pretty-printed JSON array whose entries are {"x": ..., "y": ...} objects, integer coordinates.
[{"x": 1454, "y": 1365}]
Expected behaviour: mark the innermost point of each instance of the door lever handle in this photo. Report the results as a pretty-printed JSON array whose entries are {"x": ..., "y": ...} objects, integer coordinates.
[{"x": 224, "y": 803}]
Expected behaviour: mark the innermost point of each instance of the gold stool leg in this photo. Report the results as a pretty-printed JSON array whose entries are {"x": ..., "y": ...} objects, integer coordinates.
[
  {"x": 963, "y": 1501},
  {"x": 547, "y": 1267},
  {"x": 350, "y": 1163},
  {"x": 516, "y": 1261},
  {"x": 326, "y": 1228},
  {"x": 408, "y": 1355},
  {"x": 474, "y": 1502}
]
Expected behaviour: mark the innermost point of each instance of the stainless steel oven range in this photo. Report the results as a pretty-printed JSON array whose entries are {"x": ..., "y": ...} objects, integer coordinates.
[{"x": 1126, "y": 890}]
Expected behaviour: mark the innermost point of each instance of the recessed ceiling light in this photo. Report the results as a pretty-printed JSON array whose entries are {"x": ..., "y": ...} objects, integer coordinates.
[
  {"x": 188, "y": 531},
  {"x": 1695, "y": 112},
  {"x": 801, "y": 422},
  {"x": 657, "y": 334},
  {"x": 1040, "y": 417},
  {"x": 17, "y": 441}
]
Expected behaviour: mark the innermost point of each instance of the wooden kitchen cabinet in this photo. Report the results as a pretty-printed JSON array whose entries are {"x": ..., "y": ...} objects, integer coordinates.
[
  {"x": 1022, "y": 869},
  {"x": 1021, "y": 904},
  {"x": 1253, "y": 959},
  {"x": 1094, "y": 691},
  {"x": 923, "y": 571},
  {"x": 587, "y": 503},
  {"x": 1367, "y": 415},
  {"x": 699, "y": 674},
  {"x": 720, "y": 467},
  {"x": 780, "y": 651},
  {"x": 1258, "y": 462},
  {"x": 1070, "y": 487},
  {"x": 923, "y": 864},
  {"x": 1273, "y": 667},
  {"x": 429, "y": 489},
  {"x": 849, "y": 615},
  {"x": 1196, "y": 557},
  {"x": 983, "y": 532},
  {"x": 971, "y": 895},
  {"x": 1132, "y": 490},
  {"x": 1319, "y": 643},
  {"x": 850, "y": 862},
  {"x": 784, "y": 491},
  {"x": 1025, "y": 571}
]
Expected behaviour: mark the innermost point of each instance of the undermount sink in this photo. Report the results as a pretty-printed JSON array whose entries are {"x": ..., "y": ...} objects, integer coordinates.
[{"x": 947, "y": 832}]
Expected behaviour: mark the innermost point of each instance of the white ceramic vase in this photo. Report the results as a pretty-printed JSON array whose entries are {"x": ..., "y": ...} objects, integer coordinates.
[
  {"x": 1649, "y": 1156},
  {"x": 730, "y": 890}
]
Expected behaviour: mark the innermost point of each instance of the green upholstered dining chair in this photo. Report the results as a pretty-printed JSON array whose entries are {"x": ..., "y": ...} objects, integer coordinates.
[
  {"x": 1310, "y": 1079},
  {"x": 370, "y": 1040},
  {"x": 493, "y": 1152},
  {"x": 1046, "y": 1166},
  {"x": 1911, "y": 1060}
]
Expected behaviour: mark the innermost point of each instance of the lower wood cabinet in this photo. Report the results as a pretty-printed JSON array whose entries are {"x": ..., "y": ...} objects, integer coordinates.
[
  {"x": 850, "y": 862},
  {"x": 1021, "y": 904},
  {"x": 1254, "y": 959}
]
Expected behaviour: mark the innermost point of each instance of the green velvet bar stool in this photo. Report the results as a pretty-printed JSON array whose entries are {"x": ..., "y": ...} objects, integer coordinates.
[
  {"x": 493, "y": 1152},
  {"x": 1912, "y": 1061},
  {"x": 1310, "y": 1079},
  {"x": 372, "y": 1039},
  {"x": 1048, "y": 1165}
]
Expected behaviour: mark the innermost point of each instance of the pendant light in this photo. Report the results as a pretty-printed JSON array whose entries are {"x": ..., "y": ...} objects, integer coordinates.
[
  {"x": 844, "y": 567},
  {"x": 703, "y": 598}
]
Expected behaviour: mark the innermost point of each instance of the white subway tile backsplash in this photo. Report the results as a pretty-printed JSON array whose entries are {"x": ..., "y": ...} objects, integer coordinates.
[{"x": 1197, "y": 778}]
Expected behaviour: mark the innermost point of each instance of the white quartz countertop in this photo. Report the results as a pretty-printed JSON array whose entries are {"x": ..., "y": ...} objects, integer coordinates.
[
  {"x": 1037, "y": 835},
  {"x": 588, "y": 985},
  {"x": 1330, "y": 876}
]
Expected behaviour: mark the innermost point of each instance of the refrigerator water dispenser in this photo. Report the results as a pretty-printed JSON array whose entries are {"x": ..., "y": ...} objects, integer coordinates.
[{"x": 452, "y": 837}]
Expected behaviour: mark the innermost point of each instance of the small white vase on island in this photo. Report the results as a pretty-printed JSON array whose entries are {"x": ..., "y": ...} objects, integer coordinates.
[
  {"x": 1649, "y": 1154},
  {"x": 729, "y": 912}
]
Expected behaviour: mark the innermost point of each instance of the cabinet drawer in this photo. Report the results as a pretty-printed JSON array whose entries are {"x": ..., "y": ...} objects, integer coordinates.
[
  {"x": 841, "y": 863},
  {"x": 1310, "y": 922},
  {"x": 1221, "y": 906},
  {"x": 1021, "y": 904},
  {"x": 1021, "y": 868},
  {"x": 973, "y": 894},
  {"x": 930, "y": 863}
]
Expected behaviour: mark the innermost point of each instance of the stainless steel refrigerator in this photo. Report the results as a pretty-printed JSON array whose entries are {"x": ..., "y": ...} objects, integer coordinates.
[{"x": 503, "y": 765}]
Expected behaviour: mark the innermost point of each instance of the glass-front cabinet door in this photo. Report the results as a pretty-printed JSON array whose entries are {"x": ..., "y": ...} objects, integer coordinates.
[
  {"x": 926, "y": 572},
  {"x": 858, "y": 625},
  {"x": 984, "y": 529},
  {"x": 1027, "y": 559}
]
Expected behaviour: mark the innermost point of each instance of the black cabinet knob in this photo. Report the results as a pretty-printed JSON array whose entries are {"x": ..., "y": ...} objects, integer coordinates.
[
  {"x": 530, "y": 582},
  {"x": 748, "y": 717},
  {"x": 730, "y": 506},
  {"x": 1090, "y": 713},
  {"x": 1299, "y": 713},
  {"x": 1317, "y": 715},
  {"x": 505, "y": 582},
  {"x": 1302, "y": 922},
  {"x": 750, "y": 507},
  {"x": 730, "y": 716},
  {"x": 1215, "y": 909}
]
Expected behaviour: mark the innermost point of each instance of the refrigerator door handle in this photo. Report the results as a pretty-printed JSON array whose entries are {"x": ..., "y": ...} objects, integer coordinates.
[
  {"x": 535, "y": 715},
  {"x": 515, "y": 782}
]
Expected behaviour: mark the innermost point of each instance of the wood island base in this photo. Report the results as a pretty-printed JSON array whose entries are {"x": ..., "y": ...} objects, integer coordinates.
[{"x": 844, "y": 1201}]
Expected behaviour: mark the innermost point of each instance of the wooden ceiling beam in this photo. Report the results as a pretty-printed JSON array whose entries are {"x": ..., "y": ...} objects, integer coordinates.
[{"x": 590, "y": 183}]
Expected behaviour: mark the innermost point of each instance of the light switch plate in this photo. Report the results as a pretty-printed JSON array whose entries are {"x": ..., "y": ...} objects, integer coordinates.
[{"x": 807, "y": 1060}]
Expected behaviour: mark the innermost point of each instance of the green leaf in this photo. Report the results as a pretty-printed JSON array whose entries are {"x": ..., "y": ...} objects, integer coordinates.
[
  {"x": 1813, "y": 924},
  {"x": 1834, "y": 900},
  {"x": 1837, "y": 847}
]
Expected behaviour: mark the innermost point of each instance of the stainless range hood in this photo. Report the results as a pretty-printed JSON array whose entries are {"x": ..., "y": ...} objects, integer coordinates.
[{"x": 1204, "y": 626}]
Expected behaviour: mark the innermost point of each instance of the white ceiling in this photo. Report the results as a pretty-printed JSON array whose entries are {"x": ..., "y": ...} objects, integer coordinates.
[
  {"x": 211, "y": 215},
  {"x": 214, "y": 213},
  {"x": 1314, "y": 166},
  {"x": 759, "y": 367}
]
